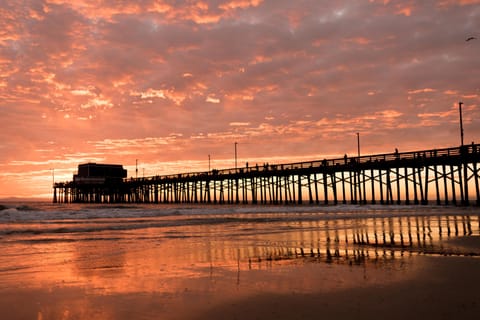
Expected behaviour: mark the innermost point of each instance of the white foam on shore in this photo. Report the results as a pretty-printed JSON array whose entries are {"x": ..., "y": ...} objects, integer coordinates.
[{"x": 41, "y": 211}]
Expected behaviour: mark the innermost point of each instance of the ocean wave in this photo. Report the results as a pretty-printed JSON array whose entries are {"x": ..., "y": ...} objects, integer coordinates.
[
  {"x": 44, "y": 212},
  {"x": 19, "y": 207}
]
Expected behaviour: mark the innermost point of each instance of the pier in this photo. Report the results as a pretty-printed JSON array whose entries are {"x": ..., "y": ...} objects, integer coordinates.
[{"x": 448, "y": 176}]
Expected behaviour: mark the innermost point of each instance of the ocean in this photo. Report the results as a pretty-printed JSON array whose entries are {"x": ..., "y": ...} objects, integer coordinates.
[{"x": 78, "y": 261}]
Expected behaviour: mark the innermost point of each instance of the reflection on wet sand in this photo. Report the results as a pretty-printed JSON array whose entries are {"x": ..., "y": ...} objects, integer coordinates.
[
  {"x": 209, "y": 261},
  {"x": 359, "y": 240}
]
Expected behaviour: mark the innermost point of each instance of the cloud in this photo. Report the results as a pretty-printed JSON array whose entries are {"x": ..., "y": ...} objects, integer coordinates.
[
  {"x": 212, "y": 99},
  {"x": 426, "y": 90},
  {"x": 115, "y": 79},
  {"x": 239, "y": 124}
]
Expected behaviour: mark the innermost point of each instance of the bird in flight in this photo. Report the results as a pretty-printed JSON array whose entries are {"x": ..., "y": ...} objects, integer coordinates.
[{"x": 470, "y": 38}]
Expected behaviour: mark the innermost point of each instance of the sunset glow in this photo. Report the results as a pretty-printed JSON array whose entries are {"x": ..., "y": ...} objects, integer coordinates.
[{"x": 171, "y": 83}]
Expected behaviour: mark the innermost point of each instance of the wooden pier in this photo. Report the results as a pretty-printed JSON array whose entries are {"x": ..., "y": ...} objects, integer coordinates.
[{"x": 437, "y": 176}]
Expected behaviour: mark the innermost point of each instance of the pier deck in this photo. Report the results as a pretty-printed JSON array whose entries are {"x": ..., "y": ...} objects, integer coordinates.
[{"x": 436, "y": 176}]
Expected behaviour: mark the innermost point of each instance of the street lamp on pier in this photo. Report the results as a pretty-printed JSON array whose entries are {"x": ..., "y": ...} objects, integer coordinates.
[
  {"x": 236, "y": 155},
  {"x": 358, "y": 143},
  {"x": 461, "y": 122}
]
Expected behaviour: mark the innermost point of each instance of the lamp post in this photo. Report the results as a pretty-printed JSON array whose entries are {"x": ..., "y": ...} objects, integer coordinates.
[
  {"x": 358, "y": 143},
  {"x": 236, "y": 155},
  {"x": 136, "y": 168},
  {"x": 208, "y": 163},
  {"x": 461, "y": 122}
]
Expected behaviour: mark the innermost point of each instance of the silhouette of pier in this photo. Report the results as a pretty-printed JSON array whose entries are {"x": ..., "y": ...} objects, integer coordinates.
[{"x": 435, "y": 176}]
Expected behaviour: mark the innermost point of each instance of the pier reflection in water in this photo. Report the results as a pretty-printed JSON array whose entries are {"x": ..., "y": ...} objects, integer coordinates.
[
  {"x": 177, "y": 245},
  {"x": 356, "y": 240}
]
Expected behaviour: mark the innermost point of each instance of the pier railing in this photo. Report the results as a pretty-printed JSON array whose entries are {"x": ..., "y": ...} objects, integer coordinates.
[{"x": 411, "y": 157}]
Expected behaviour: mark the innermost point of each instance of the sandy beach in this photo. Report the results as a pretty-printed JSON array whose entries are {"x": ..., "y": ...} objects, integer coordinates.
[
  {"x": 248, "y": 266},
  {"x": 439, "y": 288},
  {"x": 434, "y": 288}
]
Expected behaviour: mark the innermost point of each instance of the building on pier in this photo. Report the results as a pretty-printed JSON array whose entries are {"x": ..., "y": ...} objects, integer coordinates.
[
  {"x": 94, "y": 182},
  {"x": 94, "y": 173}
]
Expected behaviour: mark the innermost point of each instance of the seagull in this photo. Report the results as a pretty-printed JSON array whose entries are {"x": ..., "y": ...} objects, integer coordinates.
[{"x": 470, "y": 38}]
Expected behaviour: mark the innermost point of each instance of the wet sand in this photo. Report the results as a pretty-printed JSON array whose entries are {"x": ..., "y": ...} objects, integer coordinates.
[
  {"x": 237, "y": 271},
  {"x": 443, "y": 288}
]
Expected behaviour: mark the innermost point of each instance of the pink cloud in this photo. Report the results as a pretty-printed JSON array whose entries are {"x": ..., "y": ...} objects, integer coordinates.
[{"x": 171, "y": 82}]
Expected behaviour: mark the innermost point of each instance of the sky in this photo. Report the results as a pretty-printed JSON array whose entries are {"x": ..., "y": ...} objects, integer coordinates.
[{"x": 166, "y": 84}]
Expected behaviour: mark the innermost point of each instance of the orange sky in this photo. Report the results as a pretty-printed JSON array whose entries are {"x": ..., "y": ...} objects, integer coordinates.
[{"x": 170, "y": 82}]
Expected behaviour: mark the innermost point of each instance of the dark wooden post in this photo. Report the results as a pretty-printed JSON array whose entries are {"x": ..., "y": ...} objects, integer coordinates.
[
  {"x": 364, "y": 187},
  {"x": 309, "y": 182},
  {"x": 54, "y": 194},
  {"x": 344, "y": 199},
  {"x": 325, "y": 188},
  {"x": 333, "y": 178},
  {"x": 445, "y": 183},
  {"x": 300, "y": 201},
  {"x": 380, "y": 182},
  {"x": 477, "y": 189},
  {"x": 398, "y": 184},
  {"x": 407, "y": 197},
  {"x": 389, "y": 195},
  {"x": 465, "y": 179},
  {"x": 351, "y": 187},
  {"x": 372, "y": 181},
  {"x": 315, "y": 181},
  {"x": 415, "y": 186}
]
